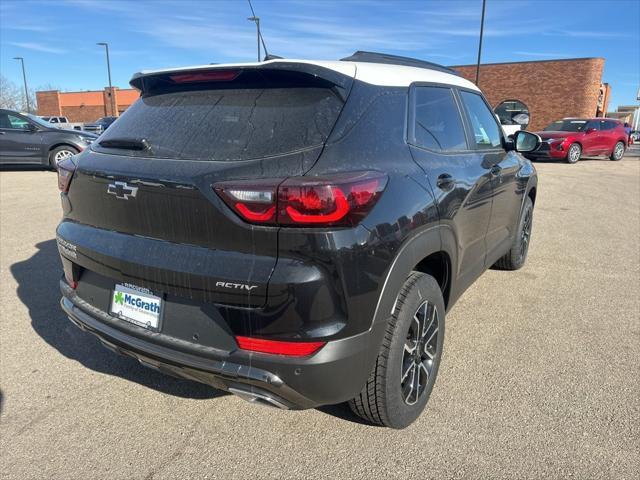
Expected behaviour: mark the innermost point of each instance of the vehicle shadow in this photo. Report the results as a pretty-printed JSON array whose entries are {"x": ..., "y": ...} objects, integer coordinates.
[
  {"x": 24, "y": 168},
  {"x": 583, "y": 159},
  {"x": 37, "y": 279}
]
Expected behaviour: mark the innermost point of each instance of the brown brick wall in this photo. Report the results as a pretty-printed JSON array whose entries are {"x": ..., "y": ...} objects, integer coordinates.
[
  {"x": 48, "y": 103},
  {"x": 83, "y": 113},
  {"x": 551, "y": 89},
  {"x": 85, "y": 106}
]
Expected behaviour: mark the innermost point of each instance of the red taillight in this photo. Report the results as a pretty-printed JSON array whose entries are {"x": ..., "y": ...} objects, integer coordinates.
[
  {"x": 210, "y": 76},
  {"x": 66, "y": 168},
  {"x": 276, "y": 347},
  {"x": 337, "y": 200}
]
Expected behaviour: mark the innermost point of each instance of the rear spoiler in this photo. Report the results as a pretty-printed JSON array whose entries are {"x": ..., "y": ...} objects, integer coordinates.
[{"x": 241, "y": 75}]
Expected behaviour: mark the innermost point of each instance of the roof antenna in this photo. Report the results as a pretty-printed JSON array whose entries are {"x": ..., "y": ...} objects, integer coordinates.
[{"x": 255, "y": 19}]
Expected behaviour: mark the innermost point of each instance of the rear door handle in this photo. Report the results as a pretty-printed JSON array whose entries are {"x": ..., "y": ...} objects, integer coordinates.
[{"x": 445, "y": 181}]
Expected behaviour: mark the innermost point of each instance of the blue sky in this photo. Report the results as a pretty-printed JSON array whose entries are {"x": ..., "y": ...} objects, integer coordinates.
[{"x": 57, "y": 37}]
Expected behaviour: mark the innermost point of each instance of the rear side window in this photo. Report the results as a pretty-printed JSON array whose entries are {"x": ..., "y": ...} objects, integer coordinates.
[
  {"x": 609, "y": 125},
  {"x": 438, "y": 125},
  {"x": 229, "y": 124},
  {"x": 595, "y": 124},
  {"x": 483, "y": 123}
]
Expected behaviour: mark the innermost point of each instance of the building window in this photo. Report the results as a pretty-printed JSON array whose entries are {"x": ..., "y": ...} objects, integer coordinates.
[{"x": 513, "y": 112}]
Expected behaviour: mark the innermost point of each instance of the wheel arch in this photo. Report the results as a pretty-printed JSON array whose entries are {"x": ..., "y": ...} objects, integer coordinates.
[
  {"x": 63, "y": 144},
  {"x": 431, "y": 251}
]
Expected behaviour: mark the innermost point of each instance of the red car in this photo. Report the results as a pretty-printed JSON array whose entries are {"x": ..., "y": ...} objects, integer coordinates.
[{"x": 573, "y": 138}]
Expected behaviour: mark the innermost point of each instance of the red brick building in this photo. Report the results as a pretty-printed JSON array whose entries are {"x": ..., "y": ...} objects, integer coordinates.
[
  {"x": 85, "y": 106},
  {"x": 550, "y": 89}
]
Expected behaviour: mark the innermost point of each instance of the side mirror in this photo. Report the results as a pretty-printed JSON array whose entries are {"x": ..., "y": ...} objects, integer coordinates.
[
  {"x": 526, "y": 141},
  {"x": 32, "y": 128}
]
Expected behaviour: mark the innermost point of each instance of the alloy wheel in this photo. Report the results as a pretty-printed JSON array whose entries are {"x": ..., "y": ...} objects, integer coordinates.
[
  {"x": 619, "y": 151},
  {"x": 62, "y": 154},
  {"x": 574, "y": 153},
  {"x": 525, "y": 235},
  {"x": 420, "y": 351}
]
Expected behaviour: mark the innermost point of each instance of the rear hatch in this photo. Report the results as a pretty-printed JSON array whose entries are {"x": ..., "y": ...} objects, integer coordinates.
[{"x": 147, "y": 183}]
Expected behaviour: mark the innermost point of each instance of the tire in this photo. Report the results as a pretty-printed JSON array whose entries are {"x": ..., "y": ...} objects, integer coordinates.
[
  {"x": 400, "y": 384},
  {"x": 574, "y": 153},
  {"x": 517, "y": 255},
  {"x": 618, "y": 152},
  {"x": 60, "y": 153}
]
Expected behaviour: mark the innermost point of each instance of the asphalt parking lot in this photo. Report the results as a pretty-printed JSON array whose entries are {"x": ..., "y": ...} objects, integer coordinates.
[{"x": 540, "y": 376}]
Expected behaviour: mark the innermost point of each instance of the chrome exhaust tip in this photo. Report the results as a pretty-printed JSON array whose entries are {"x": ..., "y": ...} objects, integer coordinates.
[{"x": 258, "y": 397}]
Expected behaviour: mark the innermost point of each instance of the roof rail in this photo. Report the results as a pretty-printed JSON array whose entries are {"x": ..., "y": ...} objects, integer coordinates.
[{"x": 375, "y": 57}]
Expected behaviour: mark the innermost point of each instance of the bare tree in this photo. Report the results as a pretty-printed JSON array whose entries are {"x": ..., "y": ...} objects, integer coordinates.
[{"x": 11, "y": 96}]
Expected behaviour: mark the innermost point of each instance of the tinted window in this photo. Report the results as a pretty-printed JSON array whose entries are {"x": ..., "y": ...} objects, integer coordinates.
[
  {"x": 609, "y": 125},
  {"x": 438, "y": 125},
  {"x": 229, "y": 124},
  {"x": 593, "y": 124},
  {"x": 566, "y": 126},
  {"x": 484, "y": 125},
  {"x": 13, "y": 122}
]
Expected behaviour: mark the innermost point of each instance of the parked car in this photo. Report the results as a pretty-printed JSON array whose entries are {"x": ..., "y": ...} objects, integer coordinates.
[
  {"x": 572, "y": 138},
  {"x": 297, "y": 245},
  {"x": 27, "y": 139},
  {"x": 99, "y": 125},
  {"x": 63, "y": 122}
]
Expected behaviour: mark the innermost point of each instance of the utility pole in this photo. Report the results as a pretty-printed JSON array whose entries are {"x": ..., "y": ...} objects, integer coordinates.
[
  {"x": 257, "y": 21},
  {"x": 484, "y": 4},
  {"x": 26, "y": 89},
  {"x": 111, "y": 99}
]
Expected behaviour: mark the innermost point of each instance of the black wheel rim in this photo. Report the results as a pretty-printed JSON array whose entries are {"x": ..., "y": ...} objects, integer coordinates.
[
  {"x": 525, "y": 235},
  {"x": 420, "y": 353}
]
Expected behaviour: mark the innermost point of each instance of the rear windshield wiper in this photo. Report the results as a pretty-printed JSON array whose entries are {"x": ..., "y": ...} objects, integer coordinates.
[{"x": 126, "y": 143}]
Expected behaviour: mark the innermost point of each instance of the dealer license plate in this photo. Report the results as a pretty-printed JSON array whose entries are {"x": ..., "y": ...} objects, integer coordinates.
[{"x": 137, "y": 306}]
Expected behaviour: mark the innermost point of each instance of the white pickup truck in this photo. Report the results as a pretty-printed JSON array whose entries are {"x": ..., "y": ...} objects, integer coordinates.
[{"x": 64, "y": 123}]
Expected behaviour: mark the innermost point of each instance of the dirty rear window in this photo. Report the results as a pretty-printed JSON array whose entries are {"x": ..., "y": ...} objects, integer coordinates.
[{"x": 228, "y": 124}]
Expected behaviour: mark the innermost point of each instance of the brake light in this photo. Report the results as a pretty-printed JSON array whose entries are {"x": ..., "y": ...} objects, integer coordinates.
[
  {"x": 66, "y": 168},
  {"x": 276, "y": 347},
  {"x": 210, "y": 76},
  {"x": 336, "y": 200}
]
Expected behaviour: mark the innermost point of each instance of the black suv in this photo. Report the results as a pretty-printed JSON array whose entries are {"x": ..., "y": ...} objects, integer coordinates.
[{"x": 292, "y": 231}]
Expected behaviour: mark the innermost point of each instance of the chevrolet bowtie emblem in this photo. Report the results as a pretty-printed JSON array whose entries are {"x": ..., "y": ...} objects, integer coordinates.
[{"x": 121, "y": 190}]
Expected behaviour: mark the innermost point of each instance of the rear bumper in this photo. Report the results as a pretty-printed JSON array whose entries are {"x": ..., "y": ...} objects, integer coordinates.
[{"x": 334, "y": 374}]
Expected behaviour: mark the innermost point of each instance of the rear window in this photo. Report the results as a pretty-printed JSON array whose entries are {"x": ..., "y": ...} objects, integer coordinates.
[{"x": 228, "y": 124}]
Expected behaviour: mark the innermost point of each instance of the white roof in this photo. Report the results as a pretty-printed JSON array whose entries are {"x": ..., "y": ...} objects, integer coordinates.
[{"x": 374, "y": 73}]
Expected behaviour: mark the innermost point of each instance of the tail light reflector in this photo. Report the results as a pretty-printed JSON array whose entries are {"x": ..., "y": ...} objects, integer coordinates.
[
  {"x": 210, "y": 76},
  {"x": 66, "y": 168},
  {"x": 336, "y": 200},
  {"x": 276, "y": 347}
]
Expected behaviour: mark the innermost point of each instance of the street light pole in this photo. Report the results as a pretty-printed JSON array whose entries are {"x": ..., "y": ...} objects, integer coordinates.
[
  {"x": 106, "y": 47},
  {"x": 484, "y": 3},
  {"x": 257, "y": 21},
  {"x": 26, "y": 89}
]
